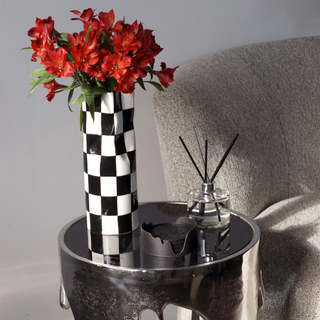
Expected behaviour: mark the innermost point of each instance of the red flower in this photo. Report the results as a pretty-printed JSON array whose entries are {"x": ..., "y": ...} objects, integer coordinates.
[
  {"x": 116, "y": 64},
  {"x": 76, "y": 38},
  {"x": 118, "y": 26},
  {"x": 86, "y": 16},
  {"x": 136, "y": 27},
  {"x": 40, "y": 47},
  {"x": 165, "y": 75},
  {"x": 125, "y": 40},
  {"x": 56, "y": 63},
  {"x": 149, "y": 47},
  {"x": 80, "y": 38},
  {"x": 86, "y": 54},
  {"x": 43, "y": 32},
  {"x": 53, "y": 86},
  {"x": 96, "y": 70},
  {"x": 127, "y": 83},
  {"x": 139, "y": 65},
  {"x": 43, "y": 29},
  {"x": 95, "y": 26},
  {"x": 117, "y": 50},
  {"x": 107, "y": 21},
  {"x": 88, "y": 19},
  {"x": 84, "y": 58}
]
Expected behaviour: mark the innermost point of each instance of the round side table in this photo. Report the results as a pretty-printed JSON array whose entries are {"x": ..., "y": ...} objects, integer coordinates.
[{"x": 221, "y": 280}]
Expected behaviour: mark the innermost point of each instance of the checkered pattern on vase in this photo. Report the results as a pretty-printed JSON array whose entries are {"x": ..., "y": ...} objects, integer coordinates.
[{"x": 109, "y": 151}]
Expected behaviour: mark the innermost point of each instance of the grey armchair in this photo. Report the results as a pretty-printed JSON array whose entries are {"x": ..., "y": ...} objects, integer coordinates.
[{"x": 269, "y": 93}]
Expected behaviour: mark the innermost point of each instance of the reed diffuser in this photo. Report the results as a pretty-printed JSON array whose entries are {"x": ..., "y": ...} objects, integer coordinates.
[{"x": 209, "y": 206}]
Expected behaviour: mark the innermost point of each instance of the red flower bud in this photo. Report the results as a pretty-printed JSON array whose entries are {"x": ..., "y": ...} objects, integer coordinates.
[{"x": 165, "y": 75}]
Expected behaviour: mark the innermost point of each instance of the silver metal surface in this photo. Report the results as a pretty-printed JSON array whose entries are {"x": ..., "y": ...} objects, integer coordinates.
[
  {"x": 64, "y": 303},
  {"x": 226, "y": 288}
]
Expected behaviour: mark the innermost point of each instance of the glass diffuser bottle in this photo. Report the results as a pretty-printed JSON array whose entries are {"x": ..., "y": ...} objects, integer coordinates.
[{"x": 209, "y": 206}]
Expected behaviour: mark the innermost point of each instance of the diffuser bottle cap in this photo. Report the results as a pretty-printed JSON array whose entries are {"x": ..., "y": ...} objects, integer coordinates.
[{"x": 207, "y": 187}]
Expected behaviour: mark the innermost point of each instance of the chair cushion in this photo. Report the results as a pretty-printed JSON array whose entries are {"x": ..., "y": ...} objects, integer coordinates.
[{"x": 290, "y": 258}]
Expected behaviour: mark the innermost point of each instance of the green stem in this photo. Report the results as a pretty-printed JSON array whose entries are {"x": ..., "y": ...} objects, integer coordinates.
[{"x": 75, "y": 77}]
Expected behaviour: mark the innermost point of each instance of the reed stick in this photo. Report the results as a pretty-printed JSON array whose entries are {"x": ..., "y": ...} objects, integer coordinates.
[
  {"x": 185, "y": 147},
  {"x": 224, "y": 158},
  {"x": 206, "y": 162},
  {"x": 200, "y": 152}
]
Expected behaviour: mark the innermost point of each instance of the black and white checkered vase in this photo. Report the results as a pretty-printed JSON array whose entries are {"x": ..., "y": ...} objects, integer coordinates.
[
  {"x": 109, "y": 150},
  {"x": 119, "y": 250}
]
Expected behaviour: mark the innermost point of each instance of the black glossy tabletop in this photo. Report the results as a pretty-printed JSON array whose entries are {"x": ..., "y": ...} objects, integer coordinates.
[{"x": 212, "y": 244}]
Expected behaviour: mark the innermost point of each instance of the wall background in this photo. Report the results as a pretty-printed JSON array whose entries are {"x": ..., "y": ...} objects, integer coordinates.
[{"x": 41, "y": 186}]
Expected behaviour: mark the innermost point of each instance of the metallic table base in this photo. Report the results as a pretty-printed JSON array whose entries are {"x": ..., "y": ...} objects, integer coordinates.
[{"x": 227, "y": 288}]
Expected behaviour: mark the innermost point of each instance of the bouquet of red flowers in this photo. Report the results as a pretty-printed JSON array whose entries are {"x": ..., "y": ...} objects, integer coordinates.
[{"x": 104, "y": 57}]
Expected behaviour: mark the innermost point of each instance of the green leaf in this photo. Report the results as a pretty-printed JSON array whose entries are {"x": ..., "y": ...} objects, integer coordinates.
[
  {"x": 94, "y": 91},
  {"x": 156, "y": 85},
  {"x": 69, "y": 98},
  {"x": 27, "y": 48},
  {"x": 45, "y": 81},
  {"x": 46, "y": 77},
  {"x": 87, "y": 35},
  {"x": 98, "y": 83},
  {"x": 81, "y": 98},
  {"x": 32, "y": 82},
  {"x": 85, "y": 88},
  {"x": 61, "y": 42},
  {"x": 70, "y": 57},
  {"x": 150, "y": 71},
  {"x": 63, "y": 35},
  {"x": 55, "y": 33},
  {"x": 90, "y": 101},
  {"x": 110, "y": 84},
  {"x": 105, "y": 41},
  {"x": 72, "y": 87},
  {"x": 140, "y": 81},
  {"x": 38, "y": 72},
  {"x": 81, "y": 117}
]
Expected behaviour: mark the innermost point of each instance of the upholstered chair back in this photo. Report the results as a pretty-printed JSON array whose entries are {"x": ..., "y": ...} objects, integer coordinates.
[{"x": 269, "y": 93}]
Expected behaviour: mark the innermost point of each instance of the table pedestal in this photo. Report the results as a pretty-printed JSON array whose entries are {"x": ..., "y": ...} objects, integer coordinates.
[{"x": 225, "y": 287}]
